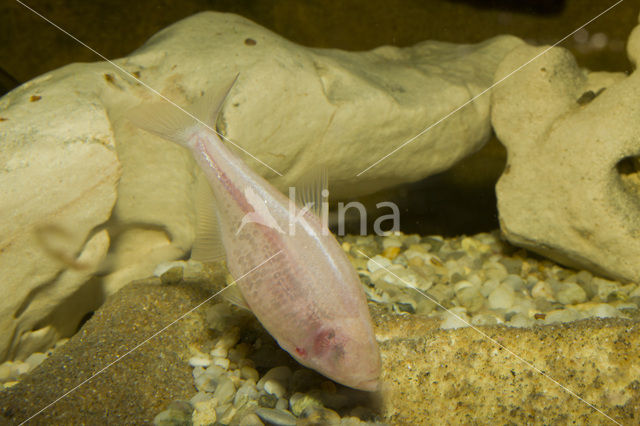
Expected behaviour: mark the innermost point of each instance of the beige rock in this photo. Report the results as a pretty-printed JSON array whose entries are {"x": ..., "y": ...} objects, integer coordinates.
[
  {"x": 292, "y": 108},
  {"x": 433, "y": 376},
  {"x": 58, "y": 175},
  {"x": 571, "y": 185}
]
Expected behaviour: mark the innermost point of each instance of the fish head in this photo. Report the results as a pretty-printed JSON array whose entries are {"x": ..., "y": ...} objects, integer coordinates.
[{"x": 346, "y": 352}]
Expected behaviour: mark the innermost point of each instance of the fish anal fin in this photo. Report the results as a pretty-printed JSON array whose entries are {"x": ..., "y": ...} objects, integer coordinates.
[{"x": 234, "y": 296}]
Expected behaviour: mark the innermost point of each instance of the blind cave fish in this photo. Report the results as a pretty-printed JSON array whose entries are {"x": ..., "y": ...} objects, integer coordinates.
[{"x": 308, "y": 296}]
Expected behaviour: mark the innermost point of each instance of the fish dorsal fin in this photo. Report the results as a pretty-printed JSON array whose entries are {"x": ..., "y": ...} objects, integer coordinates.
[
  {"x": 234, "y": 296},
  {"x": 309, "y": 190},
  {"x": 313, "y": 191},
  {"x": 207, "y": 246}
]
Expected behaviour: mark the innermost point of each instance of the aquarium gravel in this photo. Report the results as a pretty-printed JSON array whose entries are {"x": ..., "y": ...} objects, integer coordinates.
[
  {"x": 470, "y": 280},
  {"x": 481, "y": 280}
]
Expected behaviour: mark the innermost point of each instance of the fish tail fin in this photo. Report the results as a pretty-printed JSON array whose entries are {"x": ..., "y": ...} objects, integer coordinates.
[{"x": 177, "y": 124}]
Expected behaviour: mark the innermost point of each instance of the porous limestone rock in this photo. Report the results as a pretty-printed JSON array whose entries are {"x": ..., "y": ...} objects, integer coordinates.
[
  {"x": 66, "y": 153},
  {"x": 435, "y": 376},
  {"x": 58, "y": 177},
  {"x": 571, "y": 187}
]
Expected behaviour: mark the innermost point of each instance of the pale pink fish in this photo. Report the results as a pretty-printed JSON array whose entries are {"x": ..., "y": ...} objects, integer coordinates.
[{"x": 308, "y": 297}]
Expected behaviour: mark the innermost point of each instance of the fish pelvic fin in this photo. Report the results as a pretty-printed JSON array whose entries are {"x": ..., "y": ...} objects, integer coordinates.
[
  {"x": 177, "y": 124},
  {"x": 208, "y": 246}
]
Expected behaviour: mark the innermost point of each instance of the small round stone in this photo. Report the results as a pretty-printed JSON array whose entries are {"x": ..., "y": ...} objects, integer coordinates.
[
  {"x": 251, "y": 420},
  {"x": 455, "y": 318},
  {"x": 274, "y": 387},
  {"x": 281, "y": 374},
  {"x": 378, "y": 262},
  {"x": 603, "y": 310},
  {"x": 562, "y": 315},
  {"x": 197, "y": 361},
  {"x": 219, "y": 352},
  {"x": 35, "y": 359},
  {"x": 300, "y": 401},
  {"x": 502, "y": 297},
  {"x": 520, "y": 320},
  {"x": 267, "y": 400},
  {"x": 204, "y": 412},
  {"x": 276, "y": 417},
  {"x": 249, "y": 373},
  {"x": 225, "y": 390},
  {"x": 246, "y": 392},
  {"x": 199, "y": 397},
  {"x": 222, "y": 362},
  {"x": 470, "y": 297},
  {"x": 571, "y": 294},
  {"x": 314, "y": 415},
  {"x": 515, "y": 282},
  {"x": 282, "y": 404},
  {"x": 172, "y": 418},
  {"x": 225, "y": 413},
  {"x": 205, "y": 383},
  {"x": 172, "y": 276},
  {"x": 542, "y": 290}
]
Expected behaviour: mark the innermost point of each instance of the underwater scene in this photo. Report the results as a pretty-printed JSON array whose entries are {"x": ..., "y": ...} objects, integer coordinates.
[{"x": 290, "y": 212}]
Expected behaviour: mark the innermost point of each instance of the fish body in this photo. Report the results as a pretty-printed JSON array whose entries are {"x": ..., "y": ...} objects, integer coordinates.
[{"x": 308, "y": 296}]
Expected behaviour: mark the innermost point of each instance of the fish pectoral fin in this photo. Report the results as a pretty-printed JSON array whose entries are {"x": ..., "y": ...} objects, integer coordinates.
[
  {"x": 234, "y": 296},
  {"x": 309, "y": 190},
  {"x": 207, "y": 246}
]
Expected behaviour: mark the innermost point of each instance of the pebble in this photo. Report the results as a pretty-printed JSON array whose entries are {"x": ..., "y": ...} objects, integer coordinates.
[
  {"x": 562, "y": 315},
  {"x": 205, "y": 383},
  {"x": 605, "y": 288},
  {"x": 199, "y": 361},
  {"x": 199, "y": 397},
  {"x": 542, "y": 290},
  {"x": 378, "y": 262},
  {"x": 391, "y": 252},
  {"x": 204, "y": 412},
  {"x": 267, "y": 400},
  {"x": 246, "y": 392},
  {"x": 282, "y": 404},
  {"x": 225, "y": 413},
  {"x": 571, "y": 294},
  {"x": 249, "y": 373},
  {"x": 35, "y": 359},
  {"x": 274, "y": 387},
  {"x": 219, "y": 352},
  {"x": 469, "y": 296},
  {"x": 300, "y": 401},
  {"x": 177, "y": 413},
  {"x": 251, "y": 420},
  {"x": 522, "y": 321},
  {"x": 314, "y": 415},
  {"x": 455, "y": 318},
  {"x": 280, "y": 374},
  {"x": 225, "y": 390},
  {"x": 502, "y": 297},
  {"x": 222, "y": 362},
  {"x": 276, "y": 417}
]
